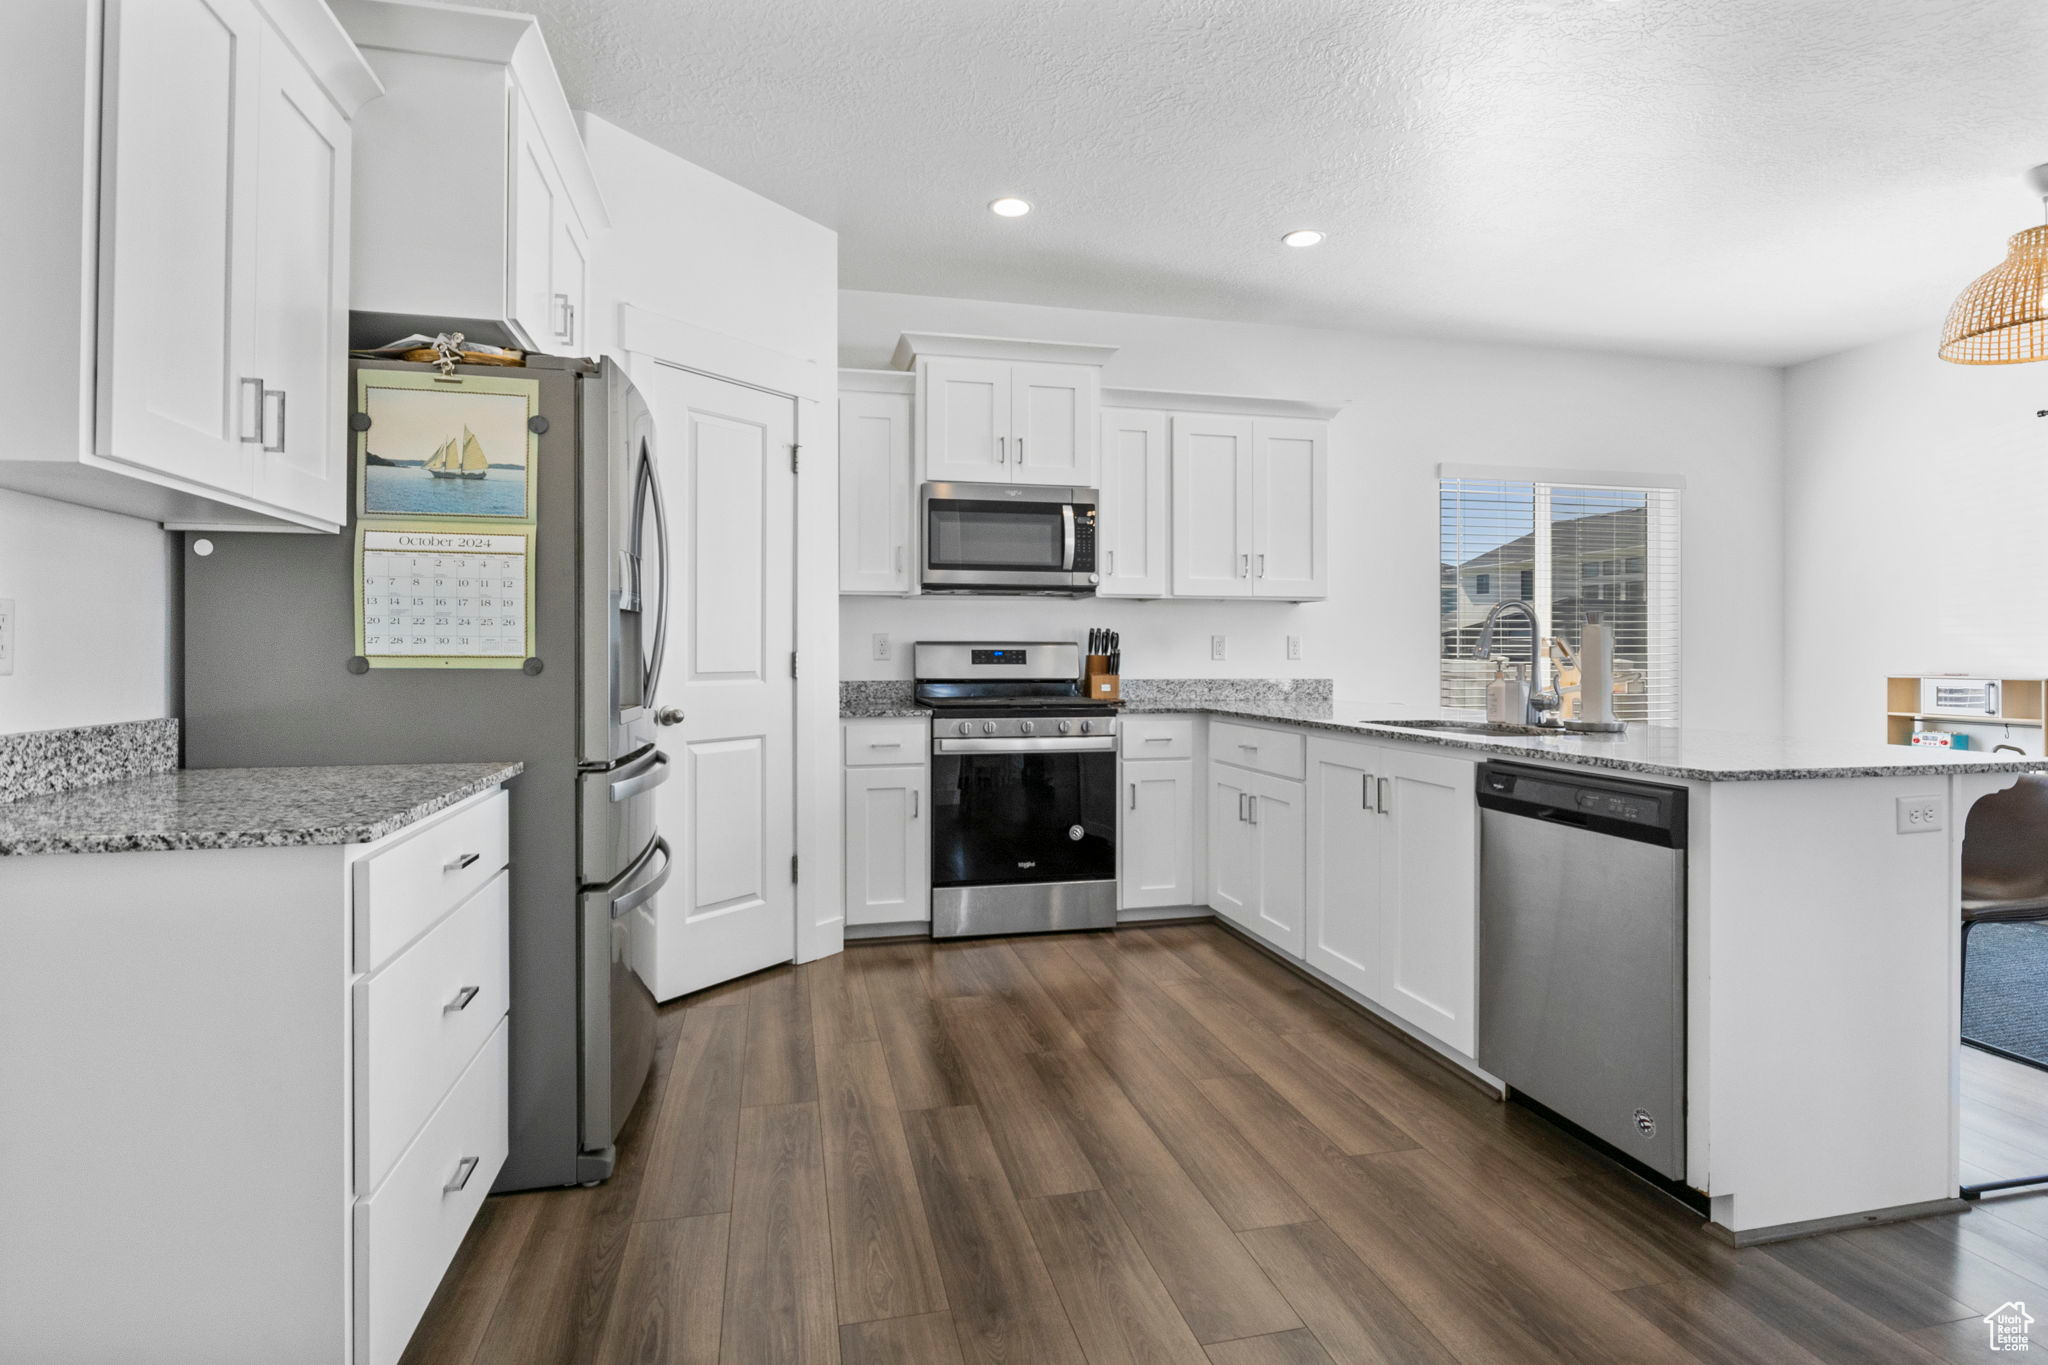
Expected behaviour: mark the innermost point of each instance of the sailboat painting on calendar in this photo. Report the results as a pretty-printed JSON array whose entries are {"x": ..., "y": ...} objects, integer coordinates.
[{"x": 436, "y": 449}]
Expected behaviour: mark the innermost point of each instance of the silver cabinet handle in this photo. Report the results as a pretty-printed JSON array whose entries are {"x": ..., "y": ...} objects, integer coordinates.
[
  {"x": 913, "y": 803},
  {"x": 1253, "y": 802},
  {"x": 1253, "y": 747},
  {"x": 1240, "y": 807},
  {"x": 1365, "y": 796},
  {"x": 263, "y": 426},
  {"x": 1002, "y": 449},
  {"x": 570, "y": 335},
  {"x": 1159, "y": 739},
  {"x": 1134, "y": 796},
  {"x": 899, "y": 559},
  {"x": 1262, "y": 566},
  {"x": 1111, "y": 566},
  {"x": 461, "y": 1000},
  {"x": 464, "y": 1169},
  {"x": 1244, "y": 568},
  {"x": 1020, "y": 450},
  {"x": 562, "y": 312},
  {"x": 460, "y": 861},
  {"x": 885, "y": 744},
  {"x": 1386, "y": 790},
  {"x": 242, "y": 424},
  {"x": 669, "y": 715}
]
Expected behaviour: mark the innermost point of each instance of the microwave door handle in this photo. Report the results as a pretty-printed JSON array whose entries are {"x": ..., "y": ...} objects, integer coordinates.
[{"x": 1067, "y": 536}]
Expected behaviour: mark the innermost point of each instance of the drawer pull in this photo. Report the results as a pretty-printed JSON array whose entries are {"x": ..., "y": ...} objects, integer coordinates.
[
  {"x": 464, "y": 1169},
  {"x": 460, "y": 861},
  {"x": 1253, "y": 747},
  {"x": 1159, "y": 739},
  {"x": 885, "y": 744},
  {"x": 461, "y": 1000}
]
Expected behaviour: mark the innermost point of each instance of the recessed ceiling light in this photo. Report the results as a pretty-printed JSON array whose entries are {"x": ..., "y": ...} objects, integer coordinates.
[
  {"x": 1009, "y": 207},
  {"x": 1302, "y": 237}
]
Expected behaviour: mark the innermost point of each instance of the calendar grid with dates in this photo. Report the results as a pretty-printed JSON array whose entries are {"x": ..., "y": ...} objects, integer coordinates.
[{"x": 469, "y": 602}]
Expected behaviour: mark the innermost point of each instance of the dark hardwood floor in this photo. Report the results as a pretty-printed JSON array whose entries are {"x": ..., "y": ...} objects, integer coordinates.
[{"x": 1155, "y": 1146}]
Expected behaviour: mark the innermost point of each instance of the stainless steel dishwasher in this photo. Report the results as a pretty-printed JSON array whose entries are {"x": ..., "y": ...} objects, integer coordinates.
[{"x": 1582, "y": 952}]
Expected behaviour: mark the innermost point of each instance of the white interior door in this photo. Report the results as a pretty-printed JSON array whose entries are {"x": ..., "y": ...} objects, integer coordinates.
[{"x": 730, "y": 811}]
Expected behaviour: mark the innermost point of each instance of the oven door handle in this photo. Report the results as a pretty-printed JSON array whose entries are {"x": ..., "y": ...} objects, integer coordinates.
[
  {"x": 1077, "y": 744},
  {"x": 1067, "y": 536}
]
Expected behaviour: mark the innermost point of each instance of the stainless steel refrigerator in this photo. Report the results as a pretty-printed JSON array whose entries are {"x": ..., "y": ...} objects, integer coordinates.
[{"x": 270, "y": 679}]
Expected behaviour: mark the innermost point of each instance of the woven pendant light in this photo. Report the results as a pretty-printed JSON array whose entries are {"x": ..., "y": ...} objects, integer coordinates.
[{"x": 2002, "y": 318}]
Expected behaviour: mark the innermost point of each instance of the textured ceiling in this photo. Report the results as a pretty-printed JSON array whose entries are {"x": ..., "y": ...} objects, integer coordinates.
[{"x": 1755, "y": 179}]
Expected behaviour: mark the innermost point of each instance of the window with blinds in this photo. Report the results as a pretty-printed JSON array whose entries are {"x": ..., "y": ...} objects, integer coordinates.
[{"x": 1565, "y": 549}]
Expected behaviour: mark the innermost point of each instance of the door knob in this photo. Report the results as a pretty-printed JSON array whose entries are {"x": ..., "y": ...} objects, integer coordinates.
[{"x": 669, "y": 715}]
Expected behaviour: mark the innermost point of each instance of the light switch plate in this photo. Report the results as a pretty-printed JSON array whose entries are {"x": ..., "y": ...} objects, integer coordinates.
[
  {"x": 881, "y": 645},
  {"x": 6, "y": 636},
  {"x": 1919, "y": 814},
  {"x": 1294, "y": 646},
  {"x": 1215, "y": 646}
]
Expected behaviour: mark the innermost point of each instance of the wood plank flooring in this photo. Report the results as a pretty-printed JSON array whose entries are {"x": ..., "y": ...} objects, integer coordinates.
[{"x": 1161, "y": 1146}]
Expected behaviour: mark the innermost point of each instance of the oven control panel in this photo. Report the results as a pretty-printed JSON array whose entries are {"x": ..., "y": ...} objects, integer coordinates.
[{"x": 1023, "y": 727}]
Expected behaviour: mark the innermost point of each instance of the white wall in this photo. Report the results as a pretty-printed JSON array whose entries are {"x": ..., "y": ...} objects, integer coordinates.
[
  {"x": 1916, "y": 505},
  {"x": 92, "y": 601},
  {"x": 1414, "y": 404}
]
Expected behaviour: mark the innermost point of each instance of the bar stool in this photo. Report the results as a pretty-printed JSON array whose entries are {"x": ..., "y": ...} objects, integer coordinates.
[{"x": 2005, "y": 881}]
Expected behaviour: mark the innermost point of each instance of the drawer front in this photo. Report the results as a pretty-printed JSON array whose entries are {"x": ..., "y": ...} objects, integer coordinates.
[
  {"x": 1283, "y": 753},
  {"x": 1157, "y": 737},
  {"x": 872, "y": 743},
  {"x": 407, "y": 1232},
  {"x": 420, "y": 1020},
  {"x": 616, "y": 809},
  {"x": 402, "y": 890}
]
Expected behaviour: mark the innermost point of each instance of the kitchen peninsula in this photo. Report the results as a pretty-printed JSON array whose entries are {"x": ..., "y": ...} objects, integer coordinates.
[{"x": 1821, "y": 937}]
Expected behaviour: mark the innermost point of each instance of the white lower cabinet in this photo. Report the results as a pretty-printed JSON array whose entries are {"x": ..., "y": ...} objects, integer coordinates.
[
  {"x": 1257, "y": 827},
  {"x": 276, "y": 1142},
  {"x": 1392, "y": 881},
  {"x": 1156, "y": 848},
  {"x": 888, "y": 814}
]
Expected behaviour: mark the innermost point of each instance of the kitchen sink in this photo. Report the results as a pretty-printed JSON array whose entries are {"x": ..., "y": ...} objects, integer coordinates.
[{"x": 1475, "y": 727}]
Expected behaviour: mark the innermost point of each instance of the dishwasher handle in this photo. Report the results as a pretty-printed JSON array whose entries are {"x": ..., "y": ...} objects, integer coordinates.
[{"x": 1643, "y": 812}]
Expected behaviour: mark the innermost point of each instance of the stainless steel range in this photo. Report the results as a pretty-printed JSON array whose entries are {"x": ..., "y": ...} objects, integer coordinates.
[{"x": 1023, "y": 789}]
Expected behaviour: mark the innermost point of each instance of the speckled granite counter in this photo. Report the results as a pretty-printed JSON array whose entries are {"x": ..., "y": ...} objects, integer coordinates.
[
  {"x": 62, "y": 760},
  {"x": 1654, "y": 750},
  {"x": 879, "y": 700},
  {"x": 242, "y": 807}
]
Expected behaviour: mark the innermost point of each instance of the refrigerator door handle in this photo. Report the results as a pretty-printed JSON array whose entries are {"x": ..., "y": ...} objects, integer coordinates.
[
  {"x": 628, "y": 902},
  {"x": 644, "y": 776},
  {"x": 649, "y": 491}
]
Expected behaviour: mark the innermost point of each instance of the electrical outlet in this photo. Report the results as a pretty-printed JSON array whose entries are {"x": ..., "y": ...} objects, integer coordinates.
[
  {"x": 1294, "y": 646},
  {"x": 1919, "y": 814},
  {"x": 6, "y": 636},
  {"x": 1215, "y": 646},
  {"x": 881, "y": 645}
]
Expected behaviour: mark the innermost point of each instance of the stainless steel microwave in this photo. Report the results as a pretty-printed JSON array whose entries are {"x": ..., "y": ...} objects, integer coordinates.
[{"x": 1008, "y": 538}]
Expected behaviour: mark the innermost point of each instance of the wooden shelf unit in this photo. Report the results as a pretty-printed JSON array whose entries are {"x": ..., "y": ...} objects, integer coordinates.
[{"x": 2021, "y": 702}]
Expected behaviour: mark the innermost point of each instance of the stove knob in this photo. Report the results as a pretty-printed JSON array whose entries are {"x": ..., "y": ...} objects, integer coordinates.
[
  {"x": 1025, "y": 727},
  {"x": 1086, "y": 726},
  {"x": 966, "y": 727},
  {"x": 1065, "y": 726},
  {"x": 988, "y": 727}
]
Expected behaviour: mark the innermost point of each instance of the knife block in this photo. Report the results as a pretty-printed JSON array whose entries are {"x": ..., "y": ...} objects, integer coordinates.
[{"x": 1098, "y": 681}]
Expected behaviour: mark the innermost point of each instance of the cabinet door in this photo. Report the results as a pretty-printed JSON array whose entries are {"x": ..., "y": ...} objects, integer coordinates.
[
  {"x": 1290, "y": 467},
  {"x": 1345, "y": 853},
  {"x": 1156, "y": 849},
  {"x": 1130, "y": 534},
  {"x": 177, "y": 213},
  {"x": 539, "y": 306},
  {"x": 1429, "y": 885},
  {"x": 1280, "y": 828},
  {"x": 1212, "y": 506},
  {"x": 888, "y": 870},
  {"x": 571, "y": 274},
  {"x": 874, "y": 493},
  {"x": 966, "y": 420},
  {"x": 1052, "y": 424},
  {"x": 301, "y": 314},
  {"x": 1233, "y": 846}
]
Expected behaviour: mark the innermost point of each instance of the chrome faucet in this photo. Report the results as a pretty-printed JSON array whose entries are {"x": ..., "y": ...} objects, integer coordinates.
[{"x": 1540, "y": 703}]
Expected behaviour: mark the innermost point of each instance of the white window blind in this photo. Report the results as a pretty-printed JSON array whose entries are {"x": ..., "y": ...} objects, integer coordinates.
[{"x": 1566, "y": 549}]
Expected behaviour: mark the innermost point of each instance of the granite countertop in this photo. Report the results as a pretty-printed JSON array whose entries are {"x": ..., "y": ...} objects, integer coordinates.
[
  {"x": 199, "y": 808},
  {"x": 1663, "y": 751},
  {"x": 888, "y": 699}
]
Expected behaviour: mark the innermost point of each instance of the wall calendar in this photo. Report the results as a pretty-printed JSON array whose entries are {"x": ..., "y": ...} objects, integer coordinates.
[{"x": 452, "y": 599}]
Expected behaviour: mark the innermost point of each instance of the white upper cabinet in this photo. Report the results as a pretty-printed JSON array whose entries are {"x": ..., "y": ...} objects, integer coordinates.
[
  {"x": 1249, "y": 495},
  {"x": 1131, "y": 517},
  {"x": 875, "y": 492},
  {"x": 998, "y": 410},
  {"x": 1212, "y": 505},
  {"x": 509, "y": 169},
  {"x": 179, "y": 246}
]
